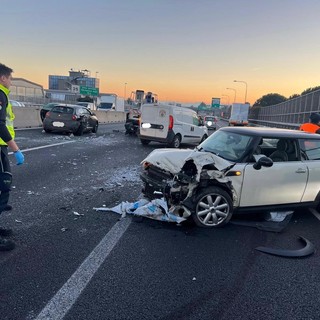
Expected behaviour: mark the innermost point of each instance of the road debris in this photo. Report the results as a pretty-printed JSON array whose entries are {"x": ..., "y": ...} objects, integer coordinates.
[
  {"x": 307, "y": 250},
  {"x": 274, "y": 221},
  {"x": 156, "y": 209},
  {"x": 77, "y": 213}
]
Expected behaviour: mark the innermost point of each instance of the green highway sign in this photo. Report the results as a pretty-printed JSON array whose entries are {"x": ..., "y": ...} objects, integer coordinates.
[
  {"x": 89, "y": 91},
  {"x": 215, "y": 103}
]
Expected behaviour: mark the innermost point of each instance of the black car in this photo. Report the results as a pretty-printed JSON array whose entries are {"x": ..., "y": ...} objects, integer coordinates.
[{"x": 70, "y": 119}]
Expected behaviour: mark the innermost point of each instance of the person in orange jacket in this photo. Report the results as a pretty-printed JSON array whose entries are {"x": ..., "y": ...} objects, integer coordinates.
[{"x": 313, "y": 126}]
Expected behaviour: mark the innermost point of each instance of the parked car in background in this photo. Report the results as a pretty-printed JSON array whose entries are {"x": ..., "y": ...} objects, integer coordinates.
[
  {"x": 47, "y": 107},
  {"x": 70, "y": 119},
  {"x": 237, "y": 170},
  {"x": 15, "y": 103},
  {"x": 210, "y": 122}
]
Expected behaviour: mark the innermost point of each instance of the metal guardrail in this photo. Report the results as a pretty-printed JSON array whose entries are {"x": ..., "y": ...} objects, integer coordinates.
[
  {"x": 263, "y": 123},
  {"x": 289, "y": 114}
]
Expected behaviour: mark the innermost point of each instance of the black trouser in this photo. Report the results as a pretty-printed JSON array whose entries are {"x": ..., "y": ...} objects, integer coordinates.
[{"x": 4, "y": 167}]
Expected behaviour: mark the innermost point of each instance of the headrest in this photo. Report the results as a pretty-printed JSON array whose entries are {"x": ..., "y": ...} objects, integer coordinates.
[
  {"x": 290, "y": 147},
  {"x": 282, "y": 145}
]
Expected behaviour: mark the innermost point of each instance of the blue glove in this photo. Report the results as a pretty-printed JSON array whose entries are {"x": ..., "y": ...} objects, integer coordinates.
[{"x": 19, "y": 157}]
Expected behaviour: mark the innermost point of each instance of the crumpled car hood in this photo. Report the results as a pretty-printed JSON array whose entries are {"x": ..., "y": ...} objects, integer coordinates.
[{"x": 173, "y": 160}]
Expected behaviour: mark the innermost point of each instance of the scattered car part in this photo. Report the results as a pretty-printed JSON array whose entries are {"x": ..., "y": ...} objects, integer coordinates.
[
  {"x": 273, "y": 226},
  {"x": 303, "y": 252}
]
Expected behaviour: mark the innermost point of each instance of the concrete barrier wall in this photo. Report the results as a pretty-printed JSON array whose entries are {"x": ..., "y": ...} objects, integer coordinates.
[
  {"x": 29, "y": 117},
  {"x": 110, "y": 116}
]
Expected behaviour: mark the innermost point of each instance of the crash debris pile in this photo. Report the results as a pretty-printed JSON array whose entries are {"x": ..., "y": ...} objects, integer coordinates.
[{"x": 156, "y": 209}]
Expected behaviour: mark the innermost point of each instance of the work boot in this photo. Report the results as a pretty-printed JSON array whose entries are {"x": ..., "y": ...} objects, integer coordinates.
[
  {"x": 6, "y": 245},
  {"x": 5, "y": 232},
  {"x": 8, "y": 207}
]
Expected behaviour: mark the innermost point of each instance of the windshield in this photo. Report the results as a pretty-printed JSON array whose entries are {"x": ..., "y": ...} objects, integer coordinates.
[
  {"x": 228, "y": 145},
  {"x": 105, "y": 105}
]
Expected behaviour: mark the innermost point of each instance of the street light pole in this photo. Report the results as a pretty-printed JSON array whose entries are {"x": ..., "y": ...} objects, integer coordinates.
[
  {"x": 245, "y": 97},
  {"x": 235, "y": 93}
]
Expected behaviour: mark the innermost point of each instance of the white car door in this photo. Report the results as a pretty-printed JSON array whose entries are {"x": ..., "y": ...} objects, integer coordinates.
[
  {"x": 193, "y": 132},
  {"x": 284, "y": 182}
]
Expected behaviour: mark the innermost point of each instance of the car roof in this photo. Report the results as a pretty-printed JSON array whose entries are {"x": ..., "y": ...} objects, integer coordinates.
[
  {"x": 70, "y": 106},
  {"x": 272, "y": 132}
]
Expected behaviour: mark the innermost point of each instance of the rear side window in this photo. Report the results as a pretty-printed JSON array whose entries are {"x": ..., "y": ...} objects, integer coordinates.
[
  {"x": 83, "y": 111},
  {"x": 65, "y": 110},
  {"x": 310, "y": 149}
]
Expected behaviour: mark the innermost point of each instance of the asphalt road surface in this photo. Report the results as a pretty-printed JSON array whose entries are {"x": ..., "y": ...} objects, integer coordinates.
[{"x": 72, "y": 262}]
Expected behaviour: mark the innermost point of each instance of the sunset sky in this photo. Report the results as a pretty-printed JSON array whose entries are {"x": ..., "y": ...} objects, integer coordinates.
[{"x": 183, "y": 50}]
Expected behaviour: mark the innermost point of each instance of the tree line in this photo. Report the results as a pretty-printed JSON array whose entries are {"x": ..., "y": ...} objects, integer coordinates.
[{"x": 272, "y": 99}]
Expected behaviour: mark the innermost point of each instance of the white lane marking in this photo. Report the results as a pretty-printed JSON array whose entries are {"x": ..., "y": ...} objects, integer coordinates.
[
  {"x": 64, "y": 299},
  {"x": 46, "y": 146},
  {"x": 315, "y": 213}
]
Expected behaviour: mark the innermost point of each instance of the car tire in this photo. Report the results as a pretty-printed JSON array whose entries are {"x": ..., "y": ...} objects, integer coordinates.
[
  {"x": 95, "y": 128},
  {"x": 47, "y": 130},
  {"x": 176, "y": 142},
  {"x": 213, "y": 208},
  {"x": 145, "y": 142},
  {"x": 79, "y": 131}
]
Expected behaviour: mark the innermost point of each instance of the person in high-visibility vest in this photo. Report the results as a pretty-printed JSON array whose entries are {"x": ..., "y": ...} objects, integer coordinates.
[
  {"x": 7, "y": 135},
  {"x": 313, "y": 126}
]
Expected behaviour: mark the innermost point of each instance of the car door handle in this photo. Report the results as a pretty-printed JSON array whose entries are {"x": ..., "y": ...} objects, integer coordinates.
[{"x": 301, "y": 170}]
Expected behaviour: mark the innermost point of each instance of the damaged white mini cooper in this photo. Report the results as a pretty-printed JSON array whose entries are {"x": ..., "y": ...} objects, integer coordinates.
[{"x": 235, "y": 170}]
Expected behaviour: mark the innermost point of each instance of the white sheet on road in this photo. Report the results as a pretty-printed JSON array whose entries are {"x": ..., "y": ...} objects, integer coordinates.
[{"x": 156, "y": 209}]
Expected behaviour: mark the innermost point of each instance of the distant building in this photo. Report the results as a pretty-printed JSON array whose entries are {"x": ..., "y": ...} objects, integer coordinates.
[
  {"x": 66, "y": 88},
  {"x": 24, "y": 90},
  {"x": 80, "y": 78}
]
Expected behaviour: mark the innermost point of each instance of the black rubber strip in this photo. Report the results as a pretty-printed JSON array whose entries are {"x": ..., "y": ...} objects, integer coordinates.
[{"x": 303, "y": 252}]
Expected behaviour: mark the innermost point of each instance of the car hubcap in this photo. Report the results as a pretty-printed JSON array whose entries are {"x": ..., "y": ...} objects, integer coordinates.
[{"x": 212, "y": 209}]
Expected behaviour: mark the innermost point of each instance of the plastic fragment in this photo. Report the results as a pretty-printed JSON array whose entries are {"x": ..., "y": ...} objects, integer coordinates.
[{"x": 307, "y": 250}]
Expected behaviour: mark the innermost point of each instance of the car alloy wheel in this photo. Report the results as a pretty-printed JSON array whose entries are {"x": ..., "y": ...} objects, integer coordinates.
[
  {"x": 95, "y": 128},
  {"x": 213, "y": 208},
  {"x": 176, "y": 141}
]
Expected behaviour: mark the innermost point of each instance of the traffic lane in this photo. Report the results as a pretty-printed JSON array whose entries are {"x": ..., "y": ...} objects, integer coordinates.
[
  {"x": 51, "y": 239},
  {"x": 163, "y": 271},
  {"x": 32, "y": 138}
]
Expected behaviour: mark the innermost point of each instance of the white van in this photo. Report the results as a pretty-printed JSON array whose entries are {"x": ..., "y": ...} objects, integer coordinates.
[{"x": 171, "y": 125}]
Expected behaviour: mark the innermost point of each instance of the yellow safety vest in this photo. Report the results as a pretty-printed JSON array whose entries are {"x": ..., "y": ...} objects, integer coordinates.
[{"x": 10, "y": 115}]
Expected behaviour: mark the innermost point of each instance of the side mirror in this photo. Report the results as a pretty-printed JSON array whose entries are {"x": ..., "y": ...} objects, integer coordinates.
[{"x": 263, "y": 162}]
